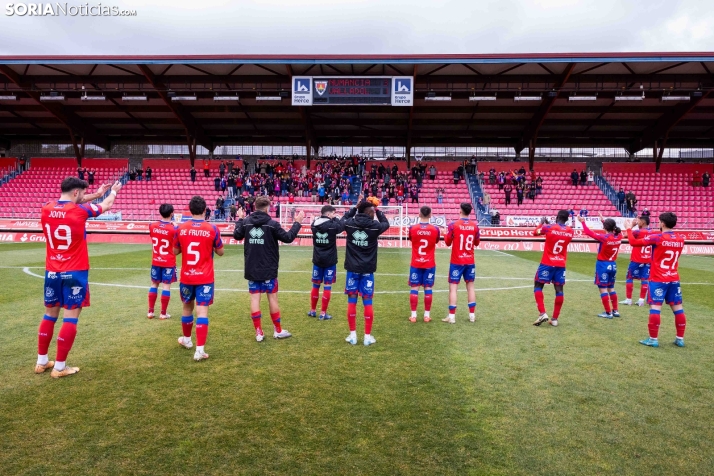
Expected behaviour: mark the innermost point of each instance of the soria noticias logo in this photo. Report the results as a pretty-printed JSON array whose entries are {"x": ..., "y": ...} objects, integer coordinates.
[{"x": 65, "y": 10}]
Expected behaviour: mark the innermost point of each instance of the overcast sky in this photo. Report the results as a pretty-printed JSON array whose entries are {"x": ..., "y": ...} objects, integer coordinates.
[{"x": 367, "y": 26}]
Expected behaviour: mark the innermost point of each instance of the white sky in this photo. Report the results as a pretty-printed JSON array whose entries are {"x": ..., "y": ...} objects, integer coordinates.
[{"x": 367, "y": 26}]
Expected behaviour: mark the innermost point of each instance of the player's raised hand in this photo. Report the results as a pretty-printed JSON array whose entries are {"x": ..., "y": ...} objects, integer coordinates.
[
  {"x": 240, "y": 213},
  {"x": 602, "y": 218},
  {"x": 543, "y": 221},
  {"x": 629, "y": 224},
  {"x": 360, "y": 198},
  {"x": 581, "y": 219},
  {"x": 116, "y": 187},
  {"x": 103, "y": 189},
  {"x": 299, "y": 216}
]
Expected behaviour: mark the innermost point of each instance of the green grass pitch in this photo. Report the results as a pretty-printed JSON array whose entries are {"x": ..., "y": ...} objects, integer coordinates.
[{"x": 498, "y": 396}]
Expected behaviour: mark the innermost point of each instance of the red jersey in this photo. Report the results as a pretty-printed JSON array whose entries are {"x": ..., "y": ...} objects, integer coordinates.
[
  {"x": 641, "y": 254},
  {"x": 163, "y": 235},
  {"x": 196, "y": 239},
  {"x": 63, "y": 224},
  {"x": 424, "y": 238},
  {"x": 666, "y": 250},
  {"x": 609, "y": 244},
  {"x": 557, "y": 238},
  {"x": 465, "y": 236}
]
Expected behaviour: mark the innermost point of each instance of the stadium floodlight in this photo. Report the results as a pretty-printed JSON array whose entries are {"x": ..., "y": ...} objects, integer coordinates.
[
  {"x": 630, "y": 98},
  {"x": 675, "y": 98},
  {"x": 437, "y": 98},
  {"x": 8, "y": 97},
  {"x": 93, "y": 98},
  {"x": 582, "y": 98},
  {"x": 268, "y": 98},
  {"x": 134, "y": 98},
  {"x": 183, "y": 98},
  {"x": 53, "y": 96},
  {"x": 482, "y": 98},
  {"x": 219, "y": 97},
  {"x": 527, "y": 98}
]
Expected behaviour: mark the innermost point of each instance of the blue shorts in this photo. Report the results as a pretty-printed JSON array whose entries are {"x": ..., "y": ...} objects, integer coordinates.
[
  {"x": 550, "y": 274},
  {"x": 638, "y": 271},
  {"x": 164, "y": 275},
  {"x": 69, "y": 289},
  {"x": 605, "y": 274},
  {"x": 324, "y": 275},
  {"x": 362, "y": 284},
  {"x": 269, "y": 286},
  {"x": 202, "y": 293},
  {"x": 456, "y": 271},
  {"x": 671, "y": 293},
  {"x": 422, "y": 277}
]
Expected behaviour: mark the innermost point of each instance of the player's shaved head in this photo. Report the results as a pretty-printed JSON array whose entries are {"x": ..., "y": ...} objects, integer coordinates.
[
  {"x": 197, "y": 205},
  {"x": 562, "y": 217},
  {"x": 166, "y": 210},
  {"x": 73, "y": 183},
  {"x": 425, "y": 212},
  {"x": 262, "y": 203}
]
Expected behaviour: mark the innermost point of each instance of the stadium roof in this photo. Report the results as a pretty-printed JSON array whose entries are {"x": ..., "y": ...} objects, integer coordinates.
[{"x": 553, "y": 121}]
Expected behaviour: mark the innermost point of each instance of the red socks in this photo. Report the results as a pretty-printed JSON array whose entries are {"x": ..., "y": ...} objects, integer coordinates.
[
  {"x": 368, "y": 315},
  {"x": 165, "y": 298},
  {"x": 605, "y": 298},
  {"x": 256, "y": 320},
  {"x": 65, "y": 339},
  {"x": 680, "y": 321},
  {"x": 326, "y": 294},
  {"x": 427, "y": 300},
  {"x": 414, "y": 299},
  {"x": 654, "y": 322},
  {"x": 629, "y": 286},
  {"x": 644, "y": 289},
  {"x": 558, "y": 304},
  {"x": 44, "y": 334},
  {"x": 152, "y": 299},
  {"x": 538, "y": 293},
  {"x": 314, "y": 296},
  {"x": 201, "y": 330},
  {"x": 352, "y": 312},
  {"x": 187, "y": 326},
  {"x": 613, "y": 300},
  {"x": 275, "y": 316}
]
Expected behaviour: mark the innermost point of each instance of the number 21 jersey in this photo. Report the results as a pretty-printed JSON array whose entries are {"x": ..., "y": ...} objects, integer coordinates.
[
  {"x": 63, "y": 224},
  {"x": 666, "y": 250}
]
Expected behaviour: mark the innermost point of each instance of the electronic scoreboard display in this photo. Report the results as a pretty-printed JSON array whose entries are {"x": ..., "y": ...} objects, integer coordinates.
[{"x": 343, "y": 91}]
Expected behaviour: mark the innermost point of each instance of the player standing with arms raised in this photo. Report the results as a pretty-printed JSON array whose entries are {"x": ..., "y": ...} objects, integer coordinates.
[
  {"x": 262, "y": 257},
  {"x": 424, "y": 237},
  {"x": 606, "y": 264},
  {"x": 552, "y": 265},
  {"x": 163, "y": 260},
  {"x": 363, "y": 225},
  {"x": 67, "y": 268},
  {"x": 463, "y": 236},
  {"x": 196, "y": 241},
  {"x": 324, "y": 258},
  {"x": 667, "y": 247},
  {"x": 639, "y": 267}
]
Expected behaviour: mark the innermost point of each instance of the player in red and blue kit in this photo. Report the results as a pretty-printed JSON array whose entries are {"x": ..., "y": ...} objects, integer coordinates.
[
  {"x": 664, "y": 286},
  {"x": 196, "y": 241},
  {"x": 67, "y": 268},
  {"x": 552, "y": 265},
  {"x": 163, "y": 260},
  {"x": 639, "y": 263},
  {"x": 463, "y": 236},
  {"x": 606, "y": 264},
  {"x": 424, "y": 237}
]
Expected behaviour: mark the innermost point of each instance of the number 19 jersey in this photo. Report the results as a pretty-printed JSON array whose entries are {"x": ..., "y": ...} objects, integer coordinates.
[
  {"x": 63, "y": 224},
  {"x": 557, "y": 238},
  {"x": 163, "y": 236},
  {"x": 463, "y": 236},
  {"x": 424, "y": 238},
  {"x": 196, "y": 239}
]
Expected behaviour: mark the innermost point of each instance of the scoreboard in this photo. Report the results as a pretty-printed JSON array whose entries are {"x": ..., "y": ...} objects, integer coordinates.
[{"x": 352, "y": 91}]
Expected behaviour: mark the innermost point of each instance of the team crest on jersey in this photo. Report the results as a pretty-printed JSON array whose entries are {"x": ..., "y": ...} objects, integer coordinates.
[
  {"x": 659, "y": 292},
  {"x": 167, "y": 272},
  {"x": 604, "y": 276},
  {"x": 186, "y": 292},
  {"x": 414, "y": 276},
  {"x": 369, "y": 284},
  {"x": 206, "y": 289},
  {"x": 329, "y": 272},
  {"x": 544, "y": 273},
  {"x": 456, "y": 273},
  {"x": 76, "y": 290},
  {"x": 49, "y": 292},
  {"x": 314, "y": 272},
  {"x": 431, "y": 275},
  {"x": 351, "y": 282}
]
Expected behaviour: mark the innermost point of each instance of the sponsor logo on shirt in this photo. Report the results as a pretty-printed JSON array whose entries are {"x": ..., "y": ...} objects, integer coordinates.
[
  {"x": 359, "y": 238},
  {"x": 256, "y": 236},
  {"x": 322, "y": 238}
]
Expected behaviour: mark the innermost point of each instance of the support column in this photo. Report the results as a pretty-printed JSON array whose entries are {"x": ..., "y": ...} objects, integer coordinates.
[
  {"x": 658, "y": 158},
  {"x": 531, "y": 155},
  {"x": 308, "y": 152},
  {"x": 78, "y": 152},
  {"x": 409, "y": 157}
]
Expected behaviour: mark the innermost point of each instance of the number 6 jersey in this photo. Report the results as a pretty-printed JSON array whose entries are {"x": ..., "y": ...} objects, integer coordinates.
[
  {"x": 162, "y": 242},
  {"x": 63, "y": 224},
  {"x": 557, "y": 239}
]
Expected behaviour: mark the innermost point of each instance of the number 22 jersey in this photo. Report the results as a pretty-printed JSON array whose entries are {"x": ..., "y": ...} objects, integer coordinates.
[{"x": 163, "y": 236}]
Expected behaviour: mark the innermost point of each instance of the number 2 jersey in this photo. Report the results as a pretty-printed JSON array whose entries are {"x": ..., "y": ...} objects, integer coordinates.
[
  {"x": 163, "y": 236},
  {"x": 196, "y": 239},
  {"x": 666, "y": 250},
  {"x": 64, "y": 226},
  {"x": 463, "y": 236},
  {"x": 424, "y": 238},
  {"x": 557, "y": 239}
]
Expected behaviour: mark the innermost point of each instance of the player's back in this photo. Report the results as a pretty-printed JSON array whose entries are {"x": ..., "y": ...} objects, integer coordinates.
[
  {"x": 609, "y": 247},
  {"x": 163, "y": 234},
  {"x": 463, "y": 236},
  {"x": 641, "y": 254},
  {"x": 424, "y": 238},
  {"x": 64, "y": 226},
  {"x": 557, "y": 239},
  {"x": 667, "y": 247},
  {"x": 196, "y": 239}
]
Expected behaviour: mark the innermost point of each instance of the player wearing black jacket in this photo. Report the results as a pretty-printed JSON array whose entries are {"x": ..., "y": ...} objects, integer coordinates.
[
  {"x": 324, "y": 258},
  {"x": 262, "y": 257},
  {"x": 363, "y": 226}
]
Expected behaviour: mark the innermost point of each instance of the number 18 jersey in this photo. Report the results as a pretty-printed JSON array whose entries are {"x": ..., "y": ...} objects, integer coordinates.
[
  {"x": 463, "y": 236},
  {"x": 557, "y": 239},
  {"x": 424, "y": 238},
  {"x": 197, "y": 239},
  {"x": 163, "y": 235},
  {"x": 63, "y": 224}
]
